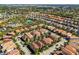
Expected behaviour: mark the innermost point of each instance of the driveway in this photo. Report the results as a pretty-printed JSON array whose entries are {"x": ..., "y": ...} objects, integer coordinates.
[
  {"x": 23, "y": 48},
  {"x": 51, "y": 49}
]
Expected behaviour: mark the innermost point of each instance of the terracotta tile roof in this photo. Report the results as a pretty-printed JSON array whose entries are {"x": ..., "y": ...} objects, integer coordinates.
[
  {"x": 36, "y": 33},
  {"x": 34, "y": 45},
  {"x": 7, "y": 37},
  {"x": 8, "y": 45},
  {"x": 43, "y": 30},
  {"x": 69, "y": 34},
  {"x": 47, "y": 40},
  {"x": 29, "y": 35},
  {"x": 71, "y": 48},
  {"x": 73, "y": 36},
  {"x": 14, "y": 52},
  {"x": 40, "y": 44},
  {"x": 6, "y": 40},
  {"x": 51, "y": 28},
  {"x": 21, "y": 29},
  {"x": 11, "y": 33},
  {"x": 17, "y": 30},
  {"x": 67, "y": 51}
]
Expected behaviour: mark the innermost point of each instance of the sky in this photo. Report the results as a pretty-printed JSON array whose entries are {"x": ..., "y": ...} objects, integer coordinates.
[{"x": 39, "y": 1}]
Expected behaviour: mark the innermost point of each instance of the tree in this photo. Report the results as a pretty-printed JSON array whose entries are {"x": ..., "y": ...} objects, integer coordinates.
[
  {"x": 37, "y": 52},
  {"x": 14, "y": 39}
]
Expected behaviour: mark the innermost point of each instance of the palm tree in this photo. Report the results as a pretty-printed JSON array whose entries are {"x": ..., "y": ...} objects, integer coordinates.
[
  {"x": 66, "y": 43},
  {"x": 37, "y": 52},
  {"x": 42, "y": 36},
  {"x": 34, "y": 38}
]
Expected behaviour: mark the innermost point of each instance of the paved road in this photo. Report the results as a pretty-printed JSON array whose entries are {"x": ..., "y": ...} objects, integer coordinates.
[
  {"x": 51, "y": 49},
  {"x": 23, "y": 48}
]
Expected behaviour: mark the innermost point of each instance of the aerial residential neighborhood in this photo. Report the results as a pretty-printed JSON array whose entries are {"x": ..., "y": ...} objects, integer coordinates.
[{"x": 39, "y": 29}]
